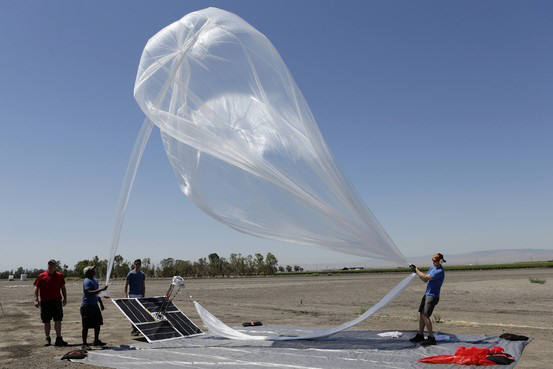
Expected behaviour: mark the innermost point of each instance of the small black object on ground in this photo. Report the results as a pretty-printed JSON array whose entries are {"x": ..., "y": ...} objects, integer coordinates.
[
  {"x": 253, "y": 323},
  {"x": 74, "y": 354},
  {"x": 513, "y": 337}
]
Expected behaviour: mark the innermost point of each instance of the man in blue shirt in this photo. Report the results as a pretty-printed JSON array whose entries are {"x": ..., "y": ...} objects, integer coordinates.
[
  {"x": 434, "y": 280},
  {"x": 90, "y": 312},
  {"x": 136, "y": 280}
]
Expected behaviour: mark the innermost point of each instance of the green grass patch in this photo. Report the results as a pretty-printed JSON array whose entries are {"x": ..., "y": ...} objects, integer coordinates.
[{"x": 536, "y": 280}]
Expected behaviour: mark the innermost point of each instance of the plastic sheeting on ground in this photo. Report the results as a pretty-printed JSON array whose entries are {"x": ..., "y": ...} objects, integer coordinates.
[
  {"x": 217, "y": 328},
  {"x": 350, "y": 349},
  {"x": 242, "y": 140}
]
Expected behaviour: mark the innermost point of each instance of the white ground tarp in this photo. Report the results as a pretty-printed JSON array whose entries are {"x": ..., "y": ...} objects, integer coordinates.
[
  {"x": 217, "y": 328},
  {"x": 354, "y": 349}
]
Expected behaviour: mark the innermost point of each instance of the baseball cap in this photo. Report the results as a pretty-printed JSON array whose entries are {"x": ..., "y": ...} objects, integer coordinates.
[
  {"x": 90, "y": 267},
  {"x": 438, "y": 256}
]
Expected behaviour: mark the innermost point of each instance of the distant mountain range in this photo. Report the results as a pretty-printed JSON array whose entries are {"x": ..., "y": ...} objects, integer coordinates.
[{"x": 476, "y": 257}]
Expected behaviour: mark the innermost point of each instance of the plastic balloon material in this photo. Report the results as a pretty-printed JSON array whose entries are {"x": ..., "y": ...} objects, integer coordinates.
[
  {"x": 217, "y": 328},
  {"x": 242, "y": 141}
]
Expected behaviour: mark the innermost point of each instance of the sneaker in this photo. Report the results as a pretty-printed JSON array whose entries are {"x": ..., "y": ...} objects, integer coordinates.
[
  {"x": 135, "y": 333},
  {"x": 85, "y": 347},
  {"x": 60, "y": 342},
  {"x": 418, "y": 338},
  {"x": 48, "y": 341},
  {"x": 429, "y": 341},
  {"x": 98, "y": 343}
]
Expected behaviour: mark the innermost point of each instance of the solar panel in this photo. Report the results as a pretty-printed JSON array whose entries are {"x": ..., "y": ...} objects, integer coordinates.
[
  {"x": 154, "y": 304},
  {"x": 134, "y": 311},
  {"x": 182, "y": 324},
  {"x": 145, "y": 314},
  {"x": 158, "y": 331}
]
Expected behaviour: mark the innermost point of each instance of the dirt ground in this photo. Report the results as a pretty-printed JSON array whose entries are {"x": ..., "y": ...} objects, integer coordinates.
[{"x": 475, "y": 302}]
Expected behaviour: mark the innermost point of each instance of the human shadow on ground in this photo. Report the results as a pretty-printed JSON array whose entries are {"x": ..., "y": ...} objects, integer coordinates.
[
  {"x": 358, "y": 340},
  {"x": 347, "y": 340}
]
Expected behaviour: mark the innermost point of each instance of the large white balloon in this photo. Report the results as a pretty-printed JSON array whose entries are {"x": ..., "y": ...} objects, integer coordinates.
[{"x": 242, "y": 141}]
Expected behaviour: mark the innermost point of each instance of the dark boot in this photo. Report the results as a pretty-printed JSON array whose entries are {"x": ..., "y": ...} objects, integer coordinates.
[
  {"x": 98, "y": 343},
  {"x": 60, "y": 342},
  {"x": 429, "y": 341},
  {"x": 418, "y": 338}
]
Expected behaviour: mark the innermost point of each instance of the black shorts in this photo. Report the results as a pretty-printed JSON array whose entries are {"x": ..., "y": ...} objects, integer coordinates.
[
  {"x": 51, "y": 310},
  {"x": 427, "y": 304},
  {"x": 91, "y": 316}
]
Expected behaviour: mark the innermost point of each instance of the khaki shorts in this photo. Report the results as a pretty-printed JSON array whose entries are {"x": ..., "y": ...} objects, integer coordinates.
[{"x": 427, "y": 304}]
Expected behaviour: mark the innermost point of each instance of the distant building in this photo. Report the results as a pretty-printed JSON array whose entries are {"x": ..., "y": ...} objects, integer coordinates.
[
  {"x": 11, "y": 277},
  {"x": 23, "y": 277}
]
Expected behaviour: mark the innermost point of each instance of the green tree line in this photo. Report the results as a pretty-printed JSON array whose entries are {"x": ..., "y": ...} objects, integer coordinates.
[{"x": 210, "y": 266}]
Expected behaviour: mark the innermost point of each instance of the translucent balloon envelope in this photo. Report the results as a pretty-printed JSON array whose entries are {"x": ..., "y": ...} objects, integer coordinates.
[{"x": 242, "y": 141}]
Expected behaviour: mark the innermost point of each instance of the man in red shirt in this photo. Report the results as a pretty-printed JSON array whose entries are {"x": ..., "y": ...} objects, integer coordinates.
[{"x": 47, "y": 295}]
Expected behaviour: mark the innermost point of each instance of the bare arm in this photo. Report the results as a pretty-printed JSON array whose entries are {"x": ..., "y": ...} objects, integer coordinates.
[
  {"x": 126, "y": 287},
  {"x": 95, "y": 292},
  {"x": 36, "y": 296},
  {"x": 424, "y": 277},
  {"x": 64, "y": 294}
]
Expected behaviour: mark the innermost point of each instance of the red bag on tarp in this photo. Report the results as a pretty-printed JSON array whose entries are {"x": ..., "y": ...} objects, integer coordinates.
[{"x": 465, "y": 356}]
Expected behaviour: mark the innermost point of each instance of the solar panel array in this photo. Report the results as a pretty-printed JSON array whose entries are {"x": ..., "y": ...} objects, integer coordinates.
[
  {"x": 134, "y": 311},
  {"x": 183, "y": 324},
  {"x": 154, "y": 304},
  {"x": 142, "y": 314},
  {"x": 159, "y": 331}
]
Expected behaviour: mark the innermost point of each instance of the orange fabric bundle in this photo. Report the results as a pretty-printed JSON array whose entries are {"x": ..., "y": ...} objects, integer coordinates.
[{"x": 466, "y": 356}]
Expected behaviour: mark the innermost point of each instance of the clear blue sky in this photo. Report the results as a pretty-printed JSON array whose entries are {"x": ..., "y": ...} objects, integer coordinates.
[{"x": 440, "y": 113}]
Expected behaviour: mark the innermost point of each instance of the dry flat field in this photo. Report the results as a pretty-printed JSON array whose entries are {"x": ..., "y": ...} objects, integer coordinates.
[{"x": 475, "y": 302}]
